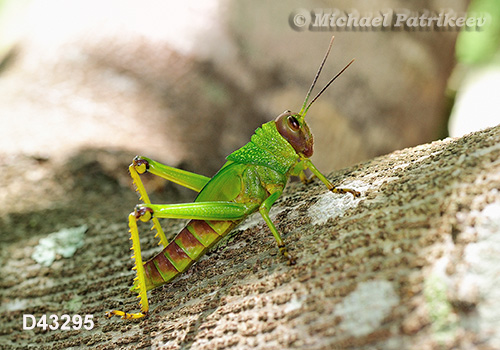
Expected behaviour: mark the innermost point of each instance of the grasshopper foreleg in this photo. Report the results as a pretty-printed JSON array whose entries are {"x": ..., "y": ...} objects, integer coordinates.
[
  {"x": 309, "y": 165},
  {"x": 344, "y": 191}
]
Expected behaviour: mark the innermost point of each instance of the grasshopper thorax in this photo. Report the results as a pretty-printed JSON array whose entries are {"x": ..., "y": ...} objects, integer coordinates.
[{"x": 295, "y": 130}]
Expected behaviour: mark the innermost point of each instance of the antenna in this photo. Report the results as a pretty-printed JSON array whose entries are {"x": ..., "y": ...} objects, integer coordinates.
[
  {"x": 317, "y": 76},
  {"x": 326, "y": 86},
  {"x": 304, "y": 109}
]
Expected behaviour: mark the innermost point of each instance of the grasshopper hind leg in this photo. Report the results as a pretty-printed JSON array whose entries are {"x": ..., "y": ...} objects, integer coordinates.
[
  {"x": 140, "y": 166},
  {"x": 139, "y": 280}
]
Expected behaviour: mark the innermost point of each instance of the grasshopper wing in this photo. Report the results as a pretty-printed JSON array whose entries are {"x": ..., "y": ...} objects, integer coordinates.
[{"x": 226, "y": 185}]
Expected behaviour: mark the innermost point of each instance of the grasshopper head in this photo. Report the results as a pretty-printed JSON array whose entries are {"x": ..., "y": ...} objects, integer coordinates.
[
  {"x": 293, "y": 127},
  {"x": 295, "y": 130}
]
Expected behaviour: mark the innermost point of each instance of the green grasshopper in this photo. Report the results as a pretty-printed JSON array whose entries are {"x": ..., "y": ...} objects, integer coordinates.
[{"x": 252, "y": 179}]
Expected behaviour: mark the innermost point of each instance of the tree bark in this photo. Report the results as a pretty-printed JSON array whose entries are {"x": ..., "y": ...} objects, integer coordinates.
[{"x": 411, "y": 264}]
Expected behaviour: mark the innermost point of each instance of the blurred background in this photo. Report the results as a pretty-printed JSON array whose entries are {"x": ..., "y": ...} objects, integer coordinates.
[{"x": 86, "y": 85}]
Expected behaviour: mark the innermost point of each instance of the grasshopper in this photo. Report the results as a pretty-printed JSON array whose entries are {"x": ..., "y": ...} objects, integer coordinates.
[{"x": 252, "y": 179}]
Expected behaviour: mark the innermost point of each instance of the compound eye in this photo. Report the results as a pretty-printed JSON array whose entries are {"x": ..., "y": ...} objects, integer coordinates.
[{"x": 293, "y": 123}]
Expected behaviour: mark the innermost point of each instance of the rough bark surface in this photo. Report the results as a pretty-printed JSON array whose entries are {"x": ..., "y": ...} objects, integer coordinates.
[{"x": 412, "y": 264}]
